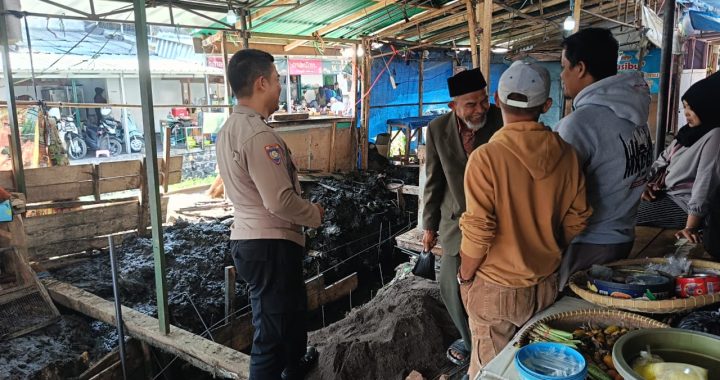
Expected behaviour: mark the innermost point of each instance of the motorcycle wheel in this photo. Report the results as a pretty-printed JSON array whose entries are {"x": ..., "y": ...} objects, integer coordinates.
[
  {"x": 136, "y": 144},
  {"x": 77, "y": 148},
  {"x": 113, "y": 145}
]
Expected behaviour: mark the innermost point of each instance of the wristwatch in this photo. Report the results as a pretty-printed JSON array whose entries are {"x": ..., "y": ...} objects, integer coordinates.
[{"x": 464, "y": 282}]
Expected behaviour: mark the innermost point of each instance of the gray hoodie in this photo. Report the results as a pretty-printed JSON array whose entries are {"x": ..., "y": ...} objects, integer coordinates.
[{"x": 608, "y": 128}]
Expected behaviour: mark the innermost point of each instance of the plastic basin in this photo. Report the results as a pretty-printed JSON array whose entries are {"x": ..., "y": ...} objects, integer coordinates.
[
  {"x": 673, "y": 345},
  {"x": 550, "y": 361}
]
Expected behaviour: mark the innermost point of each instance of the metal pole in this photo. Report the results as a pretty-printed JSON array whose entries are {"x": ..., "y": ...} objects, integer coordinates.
[
  {"x": 118, "y": 305},
  {"x": 151, "y": 163},
  {"x": 123, "y": 114},
  {"x": 15, "y": 147},
  {"x": 207, "y": 92},
  {"x": 665, "y": 71},
  {"x": 228, "y": 90}
]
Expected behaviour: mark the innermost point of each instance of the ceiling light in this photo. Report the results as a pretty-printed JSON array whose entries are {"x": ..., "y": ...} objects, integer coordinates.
[
  {"x": 569, "y": 23},
  {"x": 360, "y": 51},
  {"x": 499, "y": 50},
  {"x": 231, "y": 17},
  {"x": 376, "y": 45}
]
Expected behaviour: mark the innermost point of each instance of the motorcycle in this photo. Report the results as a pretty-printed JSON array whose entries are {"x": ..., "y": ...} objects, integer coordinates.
[
  {"x": 137, "y": 142},
  {"x": 70, "y": 138},
  {"x": 102, "y": 137}
]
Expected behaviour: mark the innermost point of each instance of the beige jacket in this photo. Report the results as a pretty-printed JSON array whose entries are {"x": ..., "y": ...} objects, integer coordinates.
[{"x": 261, "y": 181}]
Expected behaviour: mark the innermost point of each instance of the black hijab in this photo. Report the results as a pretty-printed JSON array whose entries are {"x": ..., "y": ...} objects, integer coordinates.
[{"x": 703, "y": 100}]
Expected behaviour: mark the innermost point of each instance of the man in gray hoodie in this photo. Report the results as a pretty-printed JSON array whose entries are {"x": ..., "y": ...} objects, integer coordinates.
[{"x": 608, "y": 128}]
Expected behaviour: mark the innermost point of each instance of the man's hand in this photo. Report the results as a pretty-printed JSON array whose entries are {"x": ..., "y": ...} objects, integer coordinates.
[
  {"x": 321, "y": 209},
  {"x": 429, "y": 240},
  {"x": 649, "y": 194}
]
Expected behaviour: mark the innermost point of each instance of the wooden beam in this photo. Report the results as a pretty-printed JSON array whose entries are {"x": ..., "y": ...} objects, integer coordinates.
[
  {"x": 577, "y": 12},
  {"x": 205, "y": 354},
  {"x": 435, "y": 25},
  {"x": 341, "y": 22},
  {"x": 524, "y": 15},
  {"x": 365, "y": 93},
  {"x": 485, "y": 43},
  {"x": 263, "y": 11},
  {"x": 401, "y": 25},
  {"x": 472, "y": 31}
]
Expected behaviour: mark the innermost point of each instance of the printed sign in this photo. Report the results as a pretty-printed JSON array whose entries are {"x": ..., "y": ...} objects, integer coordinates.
[
  {"x": 628, "y": 61},
  {"x": 305, "y": 67}
]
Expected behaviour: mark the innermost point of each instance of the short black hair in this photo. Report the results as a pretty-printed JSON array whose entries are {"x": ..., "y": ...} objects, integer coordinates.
[
  {"x": 245, "y": 67},
  {"x": 597, "y": 48},
  {"x": 533, "y": 112}
]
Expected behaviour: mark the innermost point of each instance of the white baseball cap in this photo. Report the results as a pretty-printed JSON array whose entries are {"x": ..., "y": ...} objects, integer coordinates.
[{"x": 527, "y": 79}]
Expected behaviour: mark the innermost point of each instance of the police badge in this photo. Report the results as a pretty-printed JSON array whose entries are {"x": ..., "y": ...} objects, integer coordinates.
[{"x": 274, "y": 153}]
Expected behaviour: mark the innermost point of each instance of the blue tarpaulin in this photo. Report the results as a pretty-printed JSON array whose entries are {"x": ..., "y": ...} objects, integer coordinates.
[{"x": 705, "y": 21}]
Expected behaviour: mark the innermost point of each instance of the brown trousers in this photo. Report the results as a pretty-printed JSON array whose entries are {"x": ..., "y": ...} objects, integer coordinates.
[{"x": 496, "y": 312}]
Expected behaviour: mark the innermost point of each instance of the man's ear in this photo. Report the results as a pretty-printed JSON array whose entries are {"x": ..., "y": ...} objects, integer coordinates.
[
  {"x": 548, "y": 104},
  {"x": 496, "y": 96},
  {"x": 581, "y": 68},
  {"x": 259, "y": 84},
  {"x": 451, "y": 105}
]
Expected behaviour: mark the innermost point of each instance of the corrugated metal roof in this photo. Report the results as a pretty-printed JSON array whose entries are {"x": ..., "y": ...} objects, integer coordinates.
[
  {"x": 375, "y": 21},
  {"x": 54, "y": 64},
  {"x": 309, "y": 17}
]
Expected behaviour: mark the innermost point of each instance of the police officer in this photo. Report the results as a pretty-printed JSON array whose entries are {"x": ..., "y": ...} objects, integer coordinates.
[{"x": 267, "y": 240}]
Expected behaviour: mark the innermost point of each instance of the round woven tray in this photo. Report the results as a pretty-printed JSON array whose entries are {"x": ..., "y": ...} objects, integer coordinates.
[
  {"x": 578, "y": 284},
  {"x": 571, "y": 320}
]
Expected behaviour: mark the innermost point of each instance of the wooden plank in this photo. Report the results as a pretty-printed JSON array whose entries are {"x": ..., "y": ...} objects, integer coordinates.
[
  {"x": 405, "y": 189},
  {"x": 314, "y": 287},
  {"x": 339, "y": 289},
  {"x": 212, "y": 357},
  {"x": 6, "y": 180},
  {"x": 59, "y": 192},
  {"x": 110, "y": 185},
  {"x": 93, "y": 228},
  {"x": 412, "y": 241},
  {"x": 174, "y": 177},
  {"x": 77, "y": 217},
  {"x": 120, "y": 169},
  {"x": 58, "y": 174},
  {"x": 175, "y": 164}
]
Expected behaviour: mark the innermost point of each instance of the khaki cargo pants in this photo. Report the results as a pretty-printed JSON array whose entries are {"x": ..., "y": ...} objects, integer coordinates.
[{"x": 496, "y": 312}]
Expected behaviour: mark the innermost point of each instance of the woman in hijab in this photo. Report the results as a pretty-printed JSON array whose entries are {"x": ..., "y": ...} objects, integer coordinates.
[{"x": 687, "y": 173}]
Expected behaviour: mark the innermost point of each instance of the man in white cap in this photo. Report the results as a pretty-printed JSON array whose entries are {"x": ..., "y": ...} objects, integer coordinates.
[{"x": 525, "y": 202}]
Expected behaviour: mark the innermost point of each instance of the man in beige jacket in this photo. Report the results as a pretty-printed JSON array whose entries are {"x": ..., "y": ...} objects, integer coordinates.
[{"x": 267, "y": 240}]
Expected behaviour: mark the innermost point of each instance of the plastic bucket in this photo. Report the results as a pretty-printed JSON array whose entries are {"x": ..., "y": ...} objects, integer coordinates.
[{"x": 550, "y": 361}]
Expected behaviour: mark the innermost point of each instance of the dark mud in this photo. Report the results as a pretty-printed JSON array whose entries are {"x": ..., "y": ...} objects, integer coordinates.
[
  {"x": 404, "y": 328},
  {"x": 356, "y": 236},
  {"x": 60, "y": 351}
]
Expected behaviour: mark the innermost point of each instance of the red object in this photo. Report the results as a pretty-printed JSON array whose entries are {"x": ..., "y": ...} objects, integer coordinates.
[
  {"x": 180, "y": 112},
  {"x": 697, "y": 285}
]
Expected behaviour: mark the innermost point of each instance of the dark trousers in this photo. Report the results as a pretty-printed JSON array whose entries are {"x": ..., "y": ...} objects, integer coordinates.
[{"x": 273, "y": 270}]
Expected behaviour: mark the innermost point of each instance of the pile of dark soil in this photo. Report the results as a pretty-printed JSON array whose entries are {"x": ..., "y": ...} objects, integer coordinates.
[
  {"x": 404, "y": 328},
  {"x": 195, "y": 254},
  {"x": 62, "y": 350}
]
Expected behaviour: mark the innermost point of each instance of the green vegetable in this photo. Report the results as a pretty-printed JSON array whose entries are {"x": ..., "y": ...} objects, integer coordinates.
[{"x": 596, "y": 373}]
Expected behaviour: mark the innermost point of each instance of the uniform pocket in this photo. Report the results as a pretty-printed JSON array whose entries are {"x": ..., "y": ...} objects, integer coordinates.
[{"x": 508, "y": 303}]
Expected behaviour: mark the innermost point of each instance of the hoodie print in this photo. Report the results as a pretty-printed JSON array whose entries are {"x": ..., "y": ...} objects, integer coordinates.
[{"x": 638, "y": 156}]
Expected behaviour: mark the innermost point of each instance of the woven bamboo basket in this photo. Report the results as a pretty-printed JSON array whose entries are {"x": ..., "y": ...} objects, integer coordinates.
[
  {"x": 578, "y": 284},
  {"x": 571, "y": 320}
]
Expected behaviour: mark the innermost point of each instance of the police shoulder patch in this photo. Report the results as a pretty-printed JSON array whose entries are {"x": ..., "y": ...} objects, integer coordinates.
[{"x": 274, "y": 153}]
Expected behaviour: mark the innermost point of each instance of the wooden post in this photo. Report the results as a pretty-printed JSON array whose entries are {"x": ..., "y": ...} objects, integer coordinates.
[
  {"x": 228, "y": 90},
  {"x": 577, "y": 11},
  {"x": 166, "y": 154},
  {"x": 229, "y": 292},
  {"x": 665, "y": 77},
  {"x": 471, "y": 29},
  {"x": 366, "y": 93},
  {"x": 486, "y": 40},
  {"x": 96, "y": 181},
  {"x": 144, "y": 203}
]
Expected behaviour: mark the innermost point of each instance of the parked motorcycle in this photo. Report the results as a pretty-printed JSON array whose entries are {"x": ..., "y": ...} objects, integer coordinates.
[
  {"x": 69, "y": 134},
  {"x": 102, "y": 137},
  {"x": 137, "y": 142}
]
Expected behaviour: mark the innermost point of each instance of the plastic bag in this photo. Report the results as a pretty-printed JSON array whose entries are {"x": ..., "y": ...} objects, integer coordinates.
[
  {"x": 673, "y": 371},
  {"x": 645, "y": 360},
  {"x": 425, "y": 266},
  {"x": 678, "y": 263}
]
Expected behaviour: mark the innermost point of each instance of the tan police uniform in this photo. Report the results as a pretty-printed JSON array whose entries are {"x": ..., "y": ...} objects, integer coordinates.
[{"x": 267, "y": 241}]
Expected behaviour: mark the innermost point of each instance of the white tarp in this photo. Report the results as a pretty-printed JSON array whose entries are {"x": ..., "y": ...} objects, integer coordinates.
[{"x": 654, "y": 25}]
